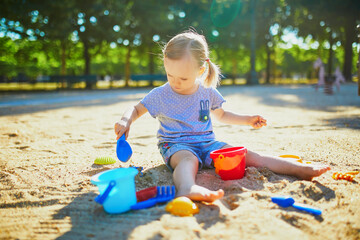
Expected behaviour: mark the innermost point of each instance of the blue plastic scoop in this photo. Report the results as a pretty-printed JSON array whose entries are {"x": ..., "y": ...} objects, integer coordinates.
[
  {"x": 287, "y": 201},
  {"x": 123, "y": 149}
]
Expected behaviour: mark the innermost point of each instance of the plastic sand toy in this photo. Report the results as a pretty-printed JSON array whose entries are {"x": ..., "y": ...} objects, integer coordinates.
[
  {"x": 146, "y": 194},
  {"x": 123, "y": 149},
  {"x": 287, "y": 201},
  {"x": 117, "y": 189},
  {"x": 297, "y": 158},
  {"x": 104, "y": 160},
  {"x": 164, "y": 194},
  {"x": 229, "y": 162},
  {"x": 353, "y": 173},
  {"x": 349, "y": 176},
  {"x": 182, "y": 206}
]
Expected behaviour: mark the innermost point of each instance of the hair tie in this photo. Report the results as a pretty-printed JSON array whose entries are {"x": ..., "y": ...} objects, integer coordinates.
[{"x": 207, "y": 60}]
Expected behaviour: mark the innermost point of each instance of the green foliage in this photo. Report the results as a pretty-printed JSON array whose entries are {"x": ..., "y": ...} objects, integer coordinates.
[{"x": 76, "y": 37}]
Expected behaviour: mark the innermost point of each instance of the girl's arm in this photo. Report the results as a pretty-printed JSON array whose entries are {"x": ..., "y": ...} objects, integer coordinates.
[
  {"x": 130, "y": 115},
  {"x": 227, "y": 117}
]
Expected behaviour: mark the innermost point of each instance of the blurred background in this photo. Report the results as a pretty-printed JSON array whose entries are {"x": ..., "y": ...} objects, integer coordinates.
[{"x": 116, "y": 43}]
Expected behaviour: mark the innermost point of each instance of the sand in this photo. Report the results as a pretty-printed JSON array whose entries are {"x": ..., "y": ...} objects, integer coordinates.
[{"x": 49, "y": 144}]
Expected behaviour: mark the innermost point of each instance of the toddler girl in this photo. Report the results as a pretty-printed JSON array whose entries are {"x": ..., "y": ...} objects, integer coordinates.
[{"x": 183, "y": 107}]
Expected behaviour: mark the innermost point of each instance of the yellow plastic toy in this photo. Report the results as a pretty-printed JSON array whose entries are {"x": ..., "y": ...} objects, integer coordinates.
[
  {"x": 297, "y": 158},
  {"x": 104, "y": 160},
  {"x": 182, "y": 206}
]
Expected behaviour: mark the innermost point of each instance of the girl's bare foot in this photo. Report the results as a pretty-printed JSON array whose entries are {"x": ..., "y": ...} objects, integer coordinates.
[
  {"x": 198, "y": 193},
  {"x": 308, "y": 172}
]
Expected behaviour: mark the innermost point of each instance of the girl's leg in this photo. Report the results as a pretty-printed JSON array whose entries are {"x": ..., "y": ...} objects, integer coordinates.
[
  {"x": 185, "y": 165},
  {"x": 285, "y": 166}
]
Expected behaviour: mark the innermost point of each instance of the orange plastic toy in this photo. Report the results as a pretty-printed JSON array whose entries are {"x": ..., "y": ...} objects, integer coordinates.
[
  {"x": 349, "y": 176},
  {"x": 182, "y": 206}
]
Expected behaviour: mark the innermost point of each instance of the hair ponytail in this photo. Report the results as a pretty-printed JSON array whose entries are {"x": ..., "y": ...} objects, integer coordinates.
[{"x": 212, "y": 78}]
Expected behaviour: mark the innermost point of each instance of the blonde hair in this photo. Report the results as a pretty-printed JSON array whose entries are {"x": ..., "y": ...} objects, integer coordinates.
[{"x": 195, "y": 44}]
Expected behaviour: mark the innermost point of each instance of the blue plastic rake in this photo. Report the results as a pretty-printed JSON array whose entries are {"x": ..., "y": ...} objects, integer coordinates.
[{"x": 164, "y": 194}]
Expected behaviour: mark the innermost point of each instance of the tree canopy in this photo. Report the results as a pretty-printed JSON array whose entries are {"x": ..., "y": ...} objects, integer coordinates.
[{"x": 120, "y": 37}]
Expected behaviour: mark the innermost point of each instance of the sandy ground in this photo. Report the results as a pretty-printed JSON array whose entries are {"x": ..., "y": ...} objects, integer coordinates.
[{"x": 49, "y": 144}]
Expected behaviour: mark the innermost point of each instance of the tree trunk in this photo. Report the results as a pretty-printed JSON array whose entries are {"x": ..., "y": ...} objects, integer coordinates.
[
  {"x": 63, "y": 61},
  {"x": 86, "y": 57},
  {"x": 350, "y": 37},
  {"x": 89, "y": 85},
  {"x": 358, "y": 62},
  {"x": 234, "y": 68},
  {"x": 127, "y": 66},
  {"x": 151, "y": 62},
  {"x": 330, "y": 60},
  {"x": 274, "y": 65},
  {"x": 151, "y": 65},
  {"x": 253, "y": 76},
  {"x": 268, "y": 61},
  {"x": 358, "y": 73}
]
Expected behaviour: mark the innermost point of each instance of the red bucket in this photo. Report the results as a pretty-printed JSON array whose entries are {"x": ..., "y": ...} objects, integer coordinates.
[{"x": 229, "y": 162}]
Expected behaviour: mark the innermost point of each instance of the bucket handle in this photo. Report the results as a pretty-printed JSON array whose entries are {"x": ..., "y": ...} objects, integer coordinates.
[
  {"x": 102, "y": 197},
  {"x": 140, "y": 170}
]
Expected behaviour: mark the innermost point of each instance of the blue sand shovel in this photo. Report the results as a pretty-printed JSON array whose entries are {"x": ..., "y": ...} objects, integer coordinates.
[
  {"x": 123, "y": 149},
  {"x": 287, "y": 201}
]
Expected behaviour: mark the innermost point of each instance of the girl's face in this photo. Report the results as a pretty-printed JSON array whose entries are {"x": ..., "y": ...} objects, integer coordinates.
[{"x": 182, "y": 74}]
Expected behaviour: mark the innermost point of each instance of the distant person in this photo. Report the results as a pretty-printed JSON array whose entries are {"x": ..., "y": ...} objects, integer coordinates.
[
  {"x": 339, "y": 78},
  {"x": 318, "y": 64},
  {"x": 183, "y": 107}
]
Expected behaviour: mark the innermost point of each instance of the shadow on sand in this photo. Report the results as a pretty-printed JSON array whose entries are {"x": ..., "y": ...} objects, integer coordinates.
[
  {"x": 303, "y": 96},
  {"x": 37, "y": 102},
  {"x": 90, "y": 221}
]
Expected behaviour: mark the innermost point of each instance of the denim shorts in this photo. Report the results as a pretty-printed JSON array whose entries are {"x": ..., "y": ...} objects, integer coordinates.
[{"x": 200, "y": 150}]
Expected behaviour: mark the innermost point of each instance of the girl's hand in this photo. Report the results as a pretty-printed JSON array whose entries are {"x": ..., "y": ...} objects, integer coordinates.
[
  {"x": 122, "y": 127},
  {"x": 257, "y": 121}
]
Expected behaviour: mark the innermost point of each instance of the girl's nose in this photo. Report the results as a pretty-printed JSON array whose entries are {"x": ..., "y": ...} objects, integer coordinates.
[{"x": 177, "y": 82}]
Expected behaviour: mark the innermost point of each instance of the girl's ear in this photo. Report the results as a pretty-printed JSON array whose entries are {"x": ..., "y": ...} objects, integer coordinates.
[{"x": 202, "y": 70}]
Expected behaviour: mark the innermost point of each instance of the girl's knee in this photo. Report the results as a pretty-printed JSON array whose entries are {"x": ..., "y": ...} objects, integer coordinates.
[
  {"x": 253, "y": 159},
  {"x": 226, "y": 146},
  {"x": 183, "y": 156}
]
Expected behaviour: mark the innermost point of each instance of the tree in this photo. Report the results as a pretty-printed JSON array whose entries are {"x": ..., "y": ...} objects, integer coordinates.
[{"x": 331, "y": 20}]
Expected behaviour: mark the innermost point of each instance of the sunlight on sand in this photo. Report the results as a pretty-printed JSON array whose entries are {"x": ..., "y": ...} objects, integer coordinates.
[{"x": 287, "y": 97}]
